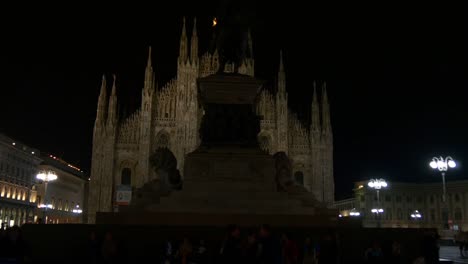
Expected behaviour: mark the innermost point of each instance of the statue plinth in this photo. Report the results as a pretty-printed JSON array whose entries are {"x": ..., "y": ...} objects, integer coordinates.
[
  {"x": 229, "y": 88},
  {"x": 228, "y": 101},
  {"x": 228, "y": 174}
]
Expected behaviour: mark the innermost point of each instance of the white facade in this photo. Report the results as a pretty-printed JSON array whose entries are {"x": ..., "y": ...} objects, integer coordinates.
[
  {"x": 65, "y": 194},
  {"x": 18, "y": 167},
  {"x": 170, "y": 117},
  {"x": 400, "y": 200}
]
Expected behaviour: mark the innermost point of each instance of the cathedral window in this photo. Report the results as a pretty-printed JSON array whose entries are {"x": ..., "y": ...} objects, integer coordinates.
[
  {"x": 299, "y": 177},
  {"x": 126, "y": 178},
  {"x": 458, "y": 214},
  {"x": 162, "y": 141},
  {"x": 264, "y": 142}
]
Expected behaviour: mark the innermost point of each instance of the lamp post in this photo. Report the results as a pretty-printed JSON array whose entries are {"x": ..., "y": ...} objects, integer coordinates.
[
  {"x": 354, "y": 212},
  {"x": 77, "y": 211},
  {"x": 377, "y": 184},
  {"x": 416, "y": 216},
  {"x": 46, "y": 177},
  {"x": 442, "y": 165}
]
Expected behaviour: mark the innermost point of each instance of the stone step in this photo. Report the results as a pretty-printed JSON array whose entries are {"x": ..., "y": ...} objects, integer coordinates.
[
  {"x": 217, "y": 194},
  {"x": 230, "y": 202},
  {"x": 275, "y": 210},
  {"x": 223, "y": 186}
]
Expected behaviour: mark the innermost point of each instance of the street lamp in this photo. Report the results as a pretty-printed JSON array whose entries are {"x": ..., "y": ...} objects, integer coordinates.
[
  {"x": 46, "y": 177},
  {"x": 77, "y": 210},
  {"x": 354, "y": 212},
  {"x": 442, "y": 165},
  {"x": 416, "y": 215},
  {"x": 377, "y": 184}
]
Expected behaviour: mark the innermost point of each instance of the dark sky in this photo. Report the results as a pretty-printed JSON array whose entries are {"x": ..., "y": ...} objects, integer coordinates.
[{"x": 397, "y": 74}]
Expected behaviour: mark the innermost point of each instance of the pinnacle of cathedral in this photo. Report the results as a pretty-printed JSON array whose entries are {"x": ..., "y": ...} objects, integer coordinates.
[
  {"x": 149, "y": 74},
  {"x": 315, "y": 124},
  {"x": 148, "y": 64},
  {"x": 103, "y": 93},
  {"x": 113, "y": 93},
  {"x": 194, "y": 43},
  {"x": 102, "y": 101},
  {"x": 183, "y": 44},
  {"x": 281, "y": 66},
  {"x": 112, "y": 111},
  {"x": 281, "y": 76},
  {"x": 326, "y": 123}
]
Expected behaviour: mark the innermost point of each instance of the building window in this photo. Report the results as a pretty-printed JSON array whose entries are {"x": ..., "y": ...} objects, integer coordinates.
[
  {"x": 38, "y": 199},
  {"x": 388, "y": 214},
  {"x": 126, "y": 177},
  {"x": 458, "y": 214},
  {"x": 299, "y": 177},
  {"x": 388, "y": 198},
  {"x": 408, "y": 199},
  {"x": 457, "y": 198},
  {"x": 420, "y": 200},
  {"x": 399, "y": 214},
  {"x": 431, "y": 199},
  {"x": 433, "y": 218},
  {"x": 398, "y": 199}
]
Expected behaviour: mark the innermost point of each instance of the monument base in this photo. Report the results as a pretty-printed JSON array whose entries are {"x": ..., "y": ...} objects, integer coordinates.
[
  {"x": 225, "y": 185},
  {"x": 324, "y": 218}
]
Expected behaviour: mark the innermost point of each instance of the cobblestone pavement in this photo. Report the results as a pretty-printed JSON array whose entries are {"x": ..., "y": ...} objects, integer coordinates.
[{"x": 452, "y": 253}]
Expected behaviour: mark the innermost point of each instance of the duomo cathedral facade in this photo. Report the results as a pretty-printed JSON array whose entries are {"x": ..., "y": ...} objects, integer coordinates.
[{"x": 170, "y": 116}]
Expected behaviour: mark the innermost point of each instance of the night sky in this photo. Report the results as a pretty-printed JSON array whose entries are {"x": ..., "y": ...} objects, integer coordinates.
[{"x": 397, "y": 75}]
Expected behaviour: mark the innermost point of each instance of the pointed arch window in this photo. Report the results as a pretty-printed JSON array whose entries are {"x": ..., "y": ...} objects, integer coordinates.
[
  {"x": 299, "y": 177},
  {"x": 126, "y": 177},
  {"x": 162, "y": 141}
]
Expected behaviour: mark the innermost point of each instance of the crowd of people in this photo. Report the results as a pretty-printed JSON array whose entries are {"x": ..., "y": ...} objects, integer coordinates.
[
  {"x": 461, "y": 239},
  {"x": 262, "y": 246},
  {"x": 258, "y": 245},
  {"x": 13, "y": 248}
]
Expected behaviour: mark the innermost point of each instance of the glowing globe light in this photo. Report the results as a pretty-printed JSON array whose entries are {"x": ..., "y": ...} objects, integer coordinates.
[
  {"x": 452, "y": 164},
  {"x": 46, "y": 176}
]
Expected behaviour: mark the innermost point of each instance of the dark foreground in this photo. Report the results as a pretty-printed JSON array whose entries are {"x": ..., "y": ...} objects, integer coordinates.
[{"x": 156, "y": 244}]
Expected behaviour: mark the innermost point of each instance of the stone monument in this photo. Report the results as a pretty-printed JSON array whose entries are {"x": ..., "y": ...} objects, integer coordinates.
[{"x": 229, "y": 175}]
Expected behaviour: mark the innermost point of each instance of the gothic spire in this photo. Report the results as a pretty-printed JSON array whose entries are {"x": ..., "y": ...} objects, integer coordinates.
[
  {"x": 112, "y": 112},
  {"x": 194, "y": 43},
  {"x": 315, "y": 115},
  {"x": 102, "y": 102},
  {"x": 281, "y": 75},
  {"x": 183, "y": 44},
  {"x": 149, "y": 73},
  {"x": 148, "y": 64},
  {"x": 326, "y": 123}
]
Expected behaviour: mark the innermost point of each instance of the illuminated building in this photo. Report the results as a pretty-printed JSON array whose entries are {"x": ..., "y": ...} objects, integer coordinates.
[{"x": 18, "y": 167}]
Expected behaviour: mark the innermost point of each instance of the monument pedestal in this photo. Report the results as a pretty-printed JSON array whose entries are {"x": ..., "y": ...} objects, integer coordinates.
[{"x": 228, "y": 179}]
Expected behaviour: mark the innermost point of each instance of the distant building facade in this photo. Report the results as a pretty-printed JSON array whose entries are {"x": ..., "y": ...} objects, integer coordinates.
[
  {"x": 400, "y": 200},
  {"x": 170, "y": 117},
  {"x": 18, "y": 167},
  {"x": 65, "y": 196}
]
